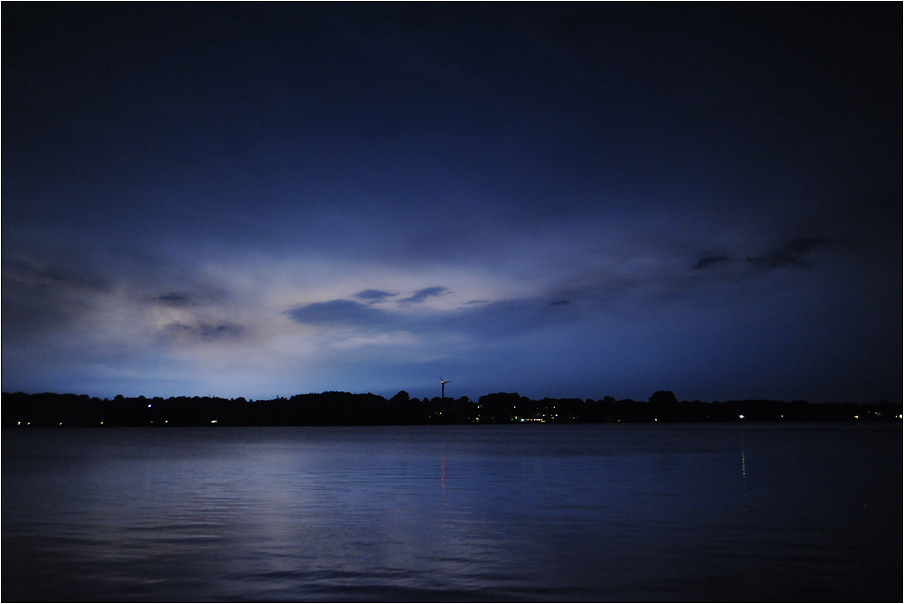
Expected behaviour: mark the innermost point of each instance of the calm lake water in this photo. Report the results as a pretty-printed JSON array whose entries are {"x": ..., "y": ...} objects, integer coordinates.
[{"x": 545, "y": 512}]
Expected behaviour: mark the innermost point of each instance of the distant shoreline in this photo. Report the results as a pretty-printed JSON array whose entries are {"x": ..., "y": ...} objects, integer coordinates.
[{"x": 50, "y": 410}]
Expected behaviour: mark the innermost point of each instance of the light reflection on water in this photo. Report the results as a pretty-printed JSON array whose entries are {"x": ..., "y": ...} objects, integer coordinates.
[{"x": 624, "y": 512}]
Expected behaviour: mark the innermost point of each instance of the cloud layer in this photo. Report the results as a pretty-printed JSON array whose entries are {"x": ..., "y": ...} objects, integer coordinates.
[{"x": 579, "y": 200}]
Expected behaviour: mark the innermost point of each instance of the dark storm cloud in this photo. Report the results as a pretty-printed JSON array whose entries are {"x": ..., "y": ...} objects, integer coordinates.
[
  {"x": 374, "y": 296},
  {"x": 205, "y": 331},
  {"x": 709, "y": 261},
  {"x": 340, "y": 313},
  {"x": 775, "y": 259},
  {"x": 41, "y": 298},
  {"x": 806, "y": 244},
  {"x": 27, "y": 317},
  {"x": 174, "y": 299},
  {"x": 479, "y": 320},
  {"x": 422, "y": 294},
  {"x": 218, "y": 331},
  {"x": 792, "y": 253},
  {"x": 510, "y": 317},
  {"x": 43, "y": 275}
]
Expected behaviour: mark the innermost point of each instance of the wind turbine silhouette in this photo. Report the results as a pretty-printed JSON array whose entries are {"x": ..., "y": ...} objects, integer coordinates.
[{"x": 443, "y": 382}]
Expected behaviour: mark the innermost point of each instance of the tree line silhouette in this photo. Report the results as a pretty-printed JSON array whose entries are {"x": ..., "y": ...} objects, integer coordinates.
[{"x": 21, "y": 410}]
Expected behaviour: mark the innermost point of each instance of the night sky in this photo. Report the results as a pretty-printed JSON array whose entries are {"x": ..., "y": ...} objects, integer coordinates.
[{"x": 552, "y": 199}]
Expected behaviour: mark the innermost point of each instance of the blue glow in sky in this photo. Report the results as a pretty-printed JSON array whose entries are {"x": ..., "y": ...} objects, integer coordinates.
[{"x": 559, "y": 200}]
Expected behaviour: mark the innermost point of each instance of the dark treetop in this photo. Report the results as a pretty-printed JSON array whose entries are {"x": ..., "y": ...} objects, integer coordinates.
[{"x": 342, "y": 408}]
